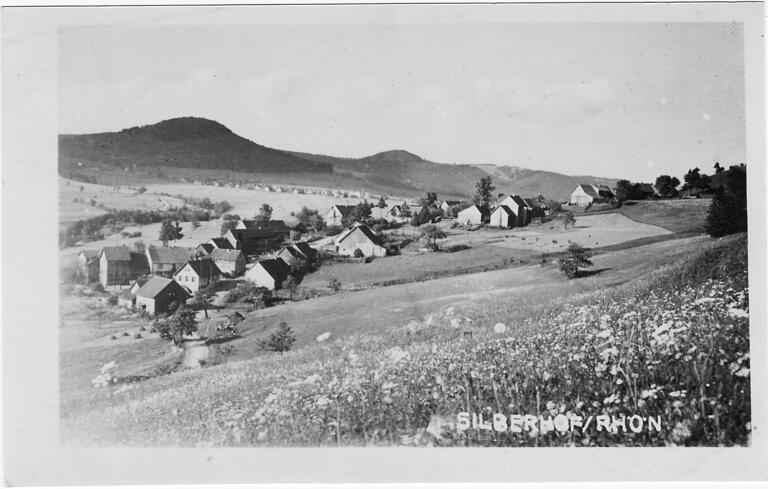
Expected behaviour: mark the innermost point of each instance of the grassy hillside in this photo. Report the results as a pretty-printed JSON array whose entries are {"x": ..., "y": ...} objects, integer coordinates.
[
  {"x": 187, "y": 142},
  {"x": 671, "y": 343},
  {"x": 679, "y": 216},
  {"x": 529, "y": 182}
]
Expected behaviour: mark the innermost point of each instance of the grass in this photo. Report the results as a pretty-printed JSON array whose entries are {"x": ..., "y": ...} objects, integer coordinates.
[
  {"x": 682, "y": 216},
  {"x": 671, "y": 343}
]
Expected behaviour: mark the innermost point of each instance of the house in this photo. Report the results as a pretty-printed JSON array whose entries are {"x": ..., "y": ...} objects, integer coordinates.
[
  {"x": 503, "y": 217},
  {"x": 205, "y": 249},
  {"x": 518, "y": 206},
  {"x": 470, "y": 215},
  {"x": 538, "y": 209},
  {"x": 446, "y": 205},
  {"x": 229, "y": 261},
  {"x": 338, "y": 214},
  {"x": 268, "y": 273},
  {"x": 254, "y": 241},
  {"x": 273, "y": 225},
  {"x": 584, "y": 194},
  {"x": 158, "y": 293},
  {"x": 197, "y": 274},
  {"x": 221, "y": 243},
  {"x": 118, "y": 265},
  {"x": 359, "y": 237},
  {"x": 297, "y": 251},
  {"x": 165, "y": 261},
  {"x": 606, "y": 194},
  {"x": 88, "y": 262}
]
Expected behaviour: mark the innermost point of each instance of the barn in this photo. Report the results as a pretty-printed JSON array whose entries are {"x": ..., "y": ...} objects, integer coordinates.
[
  {"x": 470, "y": 215},
  {"x": 157, "y": 294},
  {"x": 359, "y": 237},
  {"x": 503, "y": 217},
  {"x": 268, "y": 273}
]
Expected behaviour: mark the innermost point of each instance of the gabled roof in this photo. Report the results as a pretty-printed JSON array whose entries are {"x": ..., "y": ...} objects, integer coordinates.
[
  {"x": 250, "y": 234},
  {"x": 207, "y": 247},
  {"x": 221, "y": 243},
  {"x": 226, "y": 255},
  {"x": 139, "y": 261},
  {"x": 291, "y": 251},
  {"x": 505, "y": 209},
  {"x": 519, "y": 200},
  {"x": 588, "y": 189},
  {"x": 470, "y": 208},
  {"x": 116, "y": 253},
  {"x": 450, "y": 203},
  {"x": 344, "y": 210},
  {"x": 170, "y": 256},
  {"x": 275, "y": 225},
  {"x": 203, "y": 268},
  {"x": 275, "y": 267},
  {"x": 304, "y": 248},
  {"x": 155, "y": 286},
  {"x": 89, "y": 254},
  {"x": 363, "y": 229}
]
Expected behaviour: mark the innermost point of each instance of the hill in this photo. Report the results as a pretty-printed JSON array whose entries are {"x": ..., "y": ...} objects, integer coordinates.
[
  {"x": 188, "y": 146},
  {"x": 188, "y": 142}
]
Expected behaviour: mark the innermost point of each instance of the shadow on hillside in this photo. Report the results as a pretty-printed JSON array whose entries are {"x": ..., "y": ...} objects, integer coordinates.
[
  {"x": 590, "y": 273},
  {"x": 222, "y": 339}
]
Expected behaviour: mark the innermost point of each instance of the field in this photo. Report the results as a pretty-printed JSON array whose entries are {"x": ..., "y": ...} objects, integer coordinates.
[{"x": 397, "y": 360}]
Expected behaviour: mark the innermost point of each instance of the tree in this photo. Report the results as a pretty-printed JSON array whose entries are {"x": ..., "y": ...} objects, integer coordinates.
[
  {"x": 169, "y": 231},
  {"x": 195, "y": 221},
  {"x": 382, "y": 204},
  {"x": 182, "y": 323},
  {"x": 139, "y": 246},
  {"x": 310, "y": 218},
  {"x": 484, "y": 193},
  {"x": 360, "y": 213},
  {"x": 624, "y": 190},
  {"x": 265, "y": 213},
  {"x": 203, "y": 299},
  {"x": 421, "y": 217},
  {"x": 291, "y": 285},
  {"x": 406, "y": 210},
  {"x": 667, "y": 186},
  {"x": 569, "y": 219},
  {"x": 431, "y": 234},
  {"x": 226, "y": 225},
  {"x": 577, "y": 257},
  {"x": 718, "y": 168},
  {"x": 695, "y": 179},
  {"x": 428, "y": 200},
  {"x": 728, "y": 211},
  {"x": 281, "y": 340}
]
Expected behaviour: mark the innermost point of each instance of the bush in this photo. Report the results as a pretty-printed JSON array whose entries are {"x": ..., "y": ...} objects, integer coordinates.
[
  {"x": 112, "y": 300},
  {"x": 281, "y": 340},
  {"x": 576, "y": 258},
  {"x": 334, "y": 284},
  {"x": 728, "y": 211},
  {"x": 96, "y": 287}
]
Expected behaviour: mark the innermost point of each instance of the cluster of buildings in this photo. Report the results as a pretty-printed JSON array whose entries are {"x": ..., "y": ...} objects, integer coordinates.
[
  {"x": 586, "y": 194},
  {"x": 508, "y": 211}
]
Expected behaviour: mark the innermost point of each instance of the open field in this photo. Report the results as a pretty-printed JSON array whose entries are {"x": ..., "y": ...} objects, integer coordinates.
[
  {"x": 382, "y": 340},
  {"x": 679, "y": 216}
]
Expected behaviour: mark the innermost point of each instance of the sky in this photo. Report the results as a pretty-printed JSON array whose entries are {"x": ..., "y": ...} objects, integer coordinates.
[{"x": 619, "y": 100}]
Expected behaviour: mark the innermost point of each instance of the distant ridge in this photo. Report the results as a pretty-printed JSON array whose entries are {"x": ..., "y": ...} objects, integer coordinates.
[
  {"x": 188, "y": 142},
  {"x": 203, "y": 144}
]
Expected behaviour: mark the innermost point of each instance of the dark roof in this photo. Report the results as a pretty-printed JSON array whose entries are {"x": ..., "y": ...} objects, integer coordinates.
[
  {"x": 275, "y": 267},
  {"x": 451, "y": 202},
  {"x": 207, "y": 247},
  {"x": 470, "y": 207},
  {"x": 506, "y": 209},
  {"x": 155, "y": 285},
  {"x": 274, "y": 225},
  {"x": 165, "y": 255},
  {"x": 291, "y": 251},
  {"x": 226, "y": 255},
  {"x": 363, "y": 229},
  {"x": 344, "y": 210},
  {"x": 304, "y": 248},
  {"x": 116, "y": 253},
  {"x": 139, "y": 260},
  {"x": 588, "y": 189},
  {"x": 519, "y": 200},
  {"x": 249, "y": 234},
  {"x": 203, "y": 268},
  {"x": 221, "y": 243}
]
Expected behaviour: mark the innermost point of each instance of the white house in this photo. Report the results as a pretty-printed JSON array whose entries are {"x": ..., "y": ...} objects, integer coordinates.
[
  {"x": 470, "y": 215},
  {"x": 359, "y": 237},
  {"x": 518, "y": 206},
  {"x": 268, "y": 273},
  {"x": 337, "y": 214},
  {"x": 584, "y": 194},
  {"x": 503, "y": 217},
  {"x": 197, "y": 274}
]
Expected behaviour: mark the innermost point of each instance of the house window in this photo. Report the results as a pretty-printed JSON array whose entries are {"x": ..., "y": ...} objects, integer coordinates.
[{"x": 193, "y": 279}]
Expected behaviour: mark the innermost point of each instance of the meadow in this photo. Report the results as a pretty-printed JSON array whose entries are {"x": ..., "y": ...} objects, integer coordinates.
[{"x": 661, "y": 330}]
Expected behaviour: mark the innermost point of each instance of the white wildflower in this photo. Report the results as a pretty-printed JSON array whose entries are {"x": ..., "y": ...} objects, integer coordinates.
[
  {"x": 323, "y": 337},
  {"x": 499, "y": 328}
]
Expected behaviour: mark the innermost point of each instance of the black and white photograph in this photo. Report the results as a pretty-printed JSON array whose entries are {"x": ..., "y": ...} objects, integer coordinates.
[{"x": 421, "y": 227}]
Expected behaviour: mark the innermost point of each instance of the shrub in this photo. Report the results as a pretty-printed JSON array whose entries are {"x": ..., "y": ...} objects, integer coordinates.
[
  {"x": 576, "y": 258},
  {"x": 112, "y": 300},
  {"x": 728, "y": 211},
  {"x": 334, "y": 284},
  {"x": 137, "y": 336},
  {"x": 358, "y": 253},
  {"x": 113, "y": 337},
  {"x": 125, "y": 333}
]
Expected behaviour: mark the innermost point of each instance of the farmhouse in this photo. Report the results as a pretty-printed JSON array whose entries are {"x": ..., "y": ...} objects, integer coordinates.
[
  {"x": 470, "y": 215},
  {"x": 88, "y": 262},
  {"x": 338, "y": 214},
  {"x": 586, "y": 194},
  {"x": 277, "y": 226},
  {"x": 254, "y": 241},
  {"x": 537, "y": 208},
  {"x": 221, "y": 243},
  {"x": 297, "y": 251},
  {"x": 518, "y": 206},
  {"x": 165, "y": 261},
  {"x": 446, "y": 205},
  {"x": 205, "y": 249},
  {"x": 197, "y": 274},
  {"x": 118, "y": 265},
  {"x": 268, "y": 273},
  {"x": 503, "y": 217},
  {"x": 158, "y": 293},
  {"x": 229, "y": 261},
  {"x": 359, "y": 237}
]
